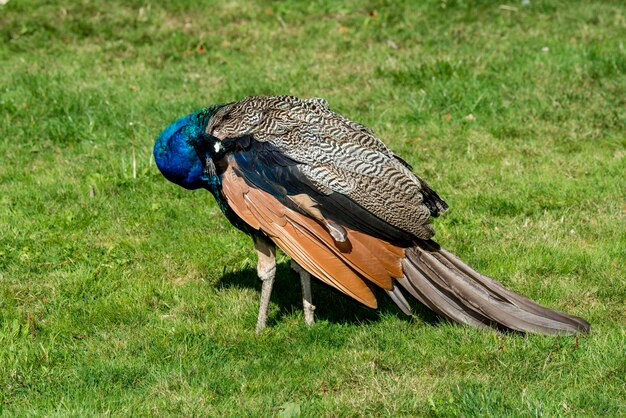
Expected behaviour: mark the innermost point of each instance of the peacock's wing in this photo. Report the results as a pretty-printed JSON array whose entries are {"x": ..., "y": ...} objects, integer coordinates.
[{"x": 337, "y": 162}]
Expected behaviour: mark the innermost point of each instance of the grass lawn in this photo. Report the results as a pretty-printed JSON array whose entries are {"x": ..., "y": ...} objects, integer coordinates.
[{"x": 123, "y": 294}]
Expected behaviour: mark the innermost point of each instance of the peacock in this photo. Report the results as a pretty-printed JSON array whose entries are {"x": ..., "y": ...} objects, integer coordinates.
[{"x": 296, "y": 175}]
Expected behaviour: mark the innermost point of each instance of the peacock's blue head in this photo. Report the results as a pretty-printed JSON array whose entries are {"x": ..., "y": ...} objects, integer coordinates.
[{"x": 180, "y": 149}]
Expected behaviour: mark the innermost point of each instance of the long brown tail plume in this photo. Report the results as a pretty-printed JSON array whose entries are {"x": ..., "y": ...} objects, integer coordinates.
[{"x": 448, "y": 286}]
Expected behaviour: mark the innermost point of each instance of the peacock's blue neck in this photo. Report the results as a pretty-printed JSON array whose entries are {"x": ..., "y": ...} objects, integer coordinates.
[{"x": 186, "y": 155}]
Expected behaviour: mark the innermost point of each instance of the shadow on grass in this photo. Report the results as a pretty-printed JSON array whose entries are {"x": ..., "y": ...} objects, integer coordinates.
[{"x": 331, "y": 305}]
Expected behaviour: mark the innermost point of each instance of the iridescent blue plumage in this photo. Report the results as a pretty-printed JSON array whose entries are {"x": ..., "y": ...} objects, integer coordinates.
[{"x": 177, "y": 152}]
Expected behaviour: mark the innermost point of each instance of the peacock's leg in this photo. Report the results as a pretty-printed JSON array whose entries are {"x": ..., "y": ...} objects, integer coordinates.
[
  {"x": 307, "y": 298},
  {"x": 266, "y": 270}
]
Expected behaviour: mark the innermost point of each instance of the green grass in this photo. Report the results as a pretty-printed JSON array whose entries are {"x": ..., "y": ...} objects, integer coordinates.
[{"x": 142, "y": 300}]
